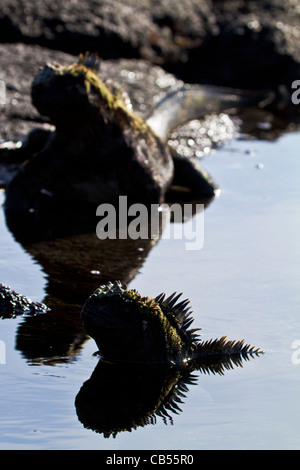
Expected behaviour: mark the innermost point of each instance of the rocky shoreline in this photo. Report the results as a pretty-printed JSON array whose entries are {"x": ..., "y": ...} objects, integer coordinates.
[{"x": 234, "y": 43}]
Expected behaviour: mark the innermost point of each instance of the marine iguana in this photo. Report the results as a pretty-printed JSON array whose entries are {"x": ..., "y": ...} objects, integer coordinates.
[
  {"x": 100, "y": 149},
  {"x": 128, "y": 327}
]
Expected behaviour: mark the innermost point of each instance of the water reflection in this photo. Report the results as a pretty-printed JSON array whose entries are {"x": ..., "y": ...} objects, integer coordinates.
[
  {"x": 122, "y": 397},
  {"x": 117, "y": 397}
]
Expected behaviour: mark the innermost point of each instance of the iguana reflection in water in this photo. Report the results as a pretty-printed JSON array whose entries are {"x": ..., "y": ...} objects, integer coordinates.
[{"x": 122, "y": 397}]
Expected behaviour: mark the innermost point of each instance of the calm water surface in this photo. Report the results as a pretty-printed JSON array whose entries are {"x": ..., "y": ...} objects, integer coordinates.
[{"x": 244, "y": 283}]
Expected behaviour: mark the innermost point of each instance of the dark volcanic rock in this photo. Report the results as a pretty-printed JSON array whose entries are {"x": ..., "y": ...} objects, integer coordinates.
[
  {"x": 236, "y": 43},
  {"x": 257, "y": 45},
  {"x": 18, "y": 65},
  {"x": 119, "y": 28}
]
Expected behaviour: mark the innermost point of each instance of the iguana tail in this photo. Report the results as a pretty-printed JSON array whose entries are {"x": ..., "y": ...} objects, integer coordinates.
[
  {"x": 215, "y": 355},
  {"x": 196, "y": 101}
]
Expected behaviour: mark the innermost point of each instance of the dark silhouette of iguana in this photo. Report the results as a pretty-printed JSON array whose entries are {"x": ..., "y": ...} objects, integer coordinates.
[{"x": 131, "y": 328}]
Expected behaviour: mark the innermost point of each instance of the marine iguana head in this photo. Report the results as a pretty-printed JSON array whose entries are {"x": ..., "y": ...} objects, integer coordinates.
[
  {"x": 76, "y": 94},
  {"x": 129, "y": 327}
]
